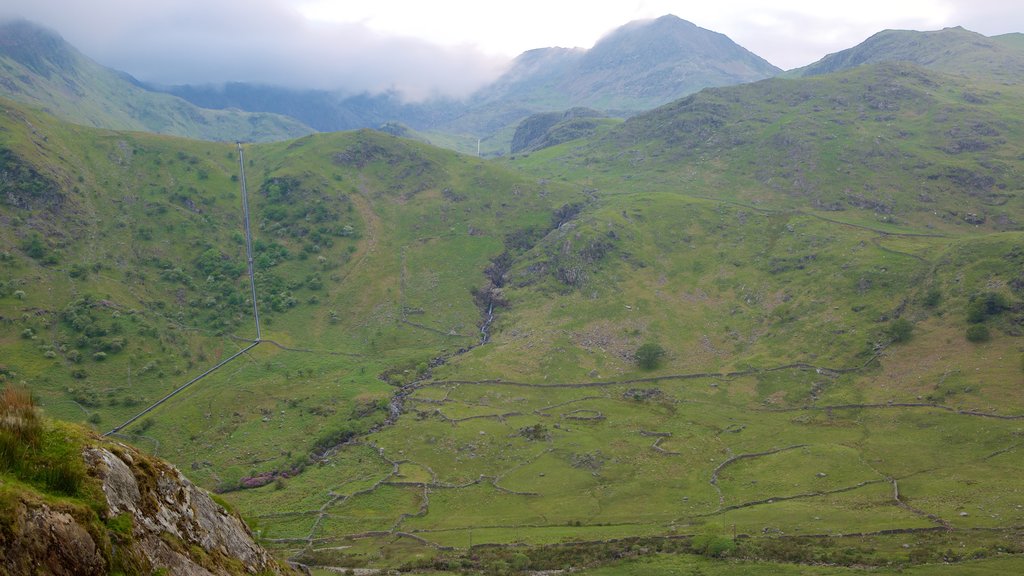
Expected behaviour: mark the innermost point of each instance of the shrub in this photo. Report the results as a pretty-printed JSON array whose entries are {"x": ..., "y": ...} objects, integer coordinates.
[
  {"x": 649, "y": 355},
  {"x": 900, "y": 330},
  {"x": 712, "y": 545},
  {"x": 34, "y": 246},
  {"x": 981, "y": 306},
  {"x": 978, "y": 333}
]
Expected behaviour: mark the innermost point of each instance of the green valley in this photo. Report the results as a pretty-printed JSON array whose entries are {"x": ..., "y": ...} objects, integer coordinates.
[{"x": 826, "y": 274}]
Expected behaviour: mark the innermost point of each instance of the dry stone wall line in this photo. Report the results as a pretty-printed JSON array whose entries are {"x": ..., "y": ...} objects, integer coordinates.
[
  {"x": 775, "y": 499},
  {"x": 543, "y": 410},
  {"x": 902, "y": 504},
  {"x": 655, "y": 379},
  {"x": 657, "y": 447},
  {"x": 456, "y": 421},
  {"x": 584, "y": 415},
  {"x": 999, "y": 452},
  {"x": 897, "y": 405},
  {"x": 181, "y": 388},
  {"x": 733, "y": 459},
  {"x": 311, "y": 350},
  {"x": 424, "y": 508}
]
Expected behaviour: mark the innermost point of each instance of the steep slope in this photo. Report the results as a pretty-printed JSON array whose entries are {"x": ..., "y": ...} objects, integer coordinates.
[
  {"x": 37, "y": 67},
  {"x": 950, "y": 50}
]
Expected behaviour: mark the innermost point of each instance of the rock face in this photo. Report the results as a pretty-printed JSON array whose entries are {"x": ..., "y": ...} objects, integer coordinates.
[
  {"x": 155, "y": 520},
  {"x": 175, "y": 524},
  {"x": 48, "y": 539}
]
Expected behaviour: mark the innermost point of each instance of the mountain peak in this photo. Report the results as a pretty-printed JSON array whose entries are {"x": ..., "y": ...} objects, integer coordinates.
[
  {"x": 652, "y": 43},
  {"x": 37, "y": 48}
]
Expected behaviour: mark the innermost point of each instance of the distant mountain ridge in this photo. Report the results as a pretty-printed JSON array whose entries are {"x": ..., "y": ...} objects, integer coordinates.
[
  {"x": 950, "y": 50},
  {"x": 636, "y": 67},
  {"x": 38, "y": 67}
]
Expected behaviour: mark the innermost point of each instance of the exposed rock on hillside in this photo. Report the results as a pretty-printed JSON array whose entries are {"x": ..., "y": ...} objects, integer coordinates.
[
  {"x": 171, "y": 516},
  {"x": 48, "y": 538},
  {"x": 155, "y": 518}
]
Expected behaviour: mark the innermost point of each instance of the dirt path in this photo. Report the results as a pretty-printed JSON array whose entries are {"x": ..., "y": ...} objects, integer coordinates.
[{"x": 371, "y": 234}]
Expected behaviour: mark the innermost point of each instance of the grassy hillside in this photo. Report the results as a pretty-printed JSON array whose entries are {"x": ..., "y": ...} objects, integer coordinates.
[
  {"x": 39, "y": 68},
  {"x": 124, "y": 275},
  {"x": 825, "y": 275},
  {"x": 1015, "y": 40},
  {"x": 950, "y": 50},
  {"x": 889, "y": 146}
]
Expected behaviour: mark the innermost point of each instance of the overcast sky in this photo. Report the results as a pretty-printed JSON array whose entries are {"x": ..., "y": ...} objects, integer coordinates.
[{"x": 423, "y": 47}]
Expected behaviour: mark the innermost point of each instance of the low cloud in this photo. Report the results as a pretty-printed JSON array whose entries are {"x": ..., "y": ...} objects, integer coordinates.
[
  {"x": 272, "y": 42},
  {"x": 260, "y": 41}
]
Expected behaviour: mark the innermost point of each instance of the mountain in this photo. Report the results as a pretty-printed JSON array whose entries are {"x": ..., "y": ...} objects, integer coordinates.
[
  {"x": 638, "y": 66},
  {"x": 39, "y": 68},
  {"x": 323, "y": 110},
  {"x": 950, "y": 50}
]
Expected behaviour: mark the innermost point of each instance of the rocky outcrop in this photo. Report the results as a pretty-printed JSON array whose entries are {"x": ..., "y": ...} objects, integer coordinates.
[
  {"x": 136, "y": 515},
  {"x": 175, "y": 524},
  {"x": 551, "y": 128},
  {"x": 48, "y": 538}
]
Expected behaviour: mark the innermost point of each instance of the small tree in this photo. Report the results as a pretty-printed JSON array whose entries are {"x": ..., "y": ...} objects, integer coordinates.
[
  {"x": 900, "y": 330},
  {"x": 978, "y": 333},
  {"x": 649, "y": 355},
  {"x": 981, "y": 306}
]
